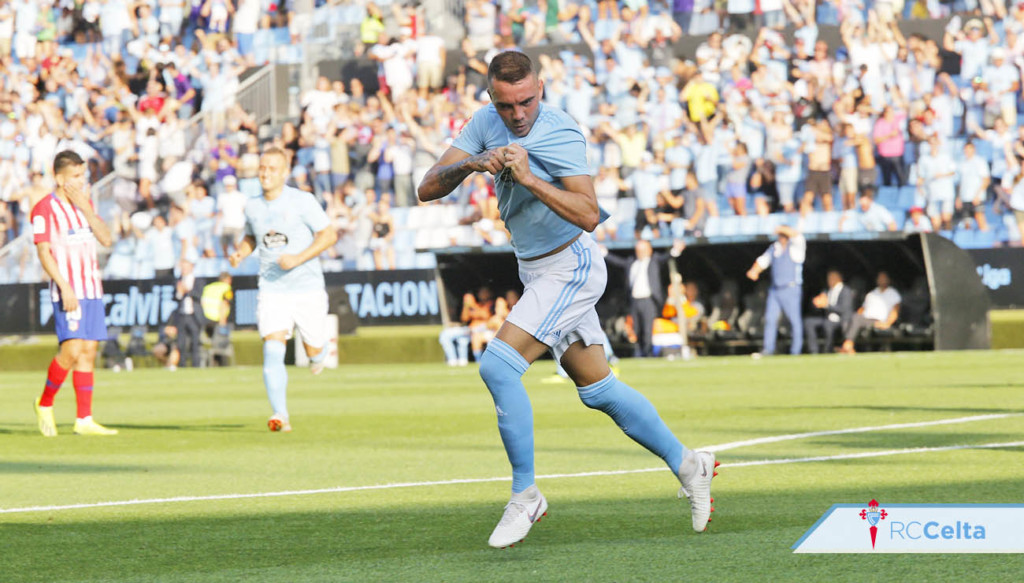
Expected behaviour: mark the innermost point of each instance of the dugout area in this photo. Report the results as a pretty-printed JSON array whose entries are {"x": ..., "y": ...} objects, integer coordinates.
[{"x": 928, "y": 270}]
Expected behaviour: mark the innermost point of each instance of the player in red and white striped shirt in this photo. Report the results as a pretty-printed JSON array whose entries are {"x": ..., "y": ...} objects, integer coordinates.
[{"x": 66, "y": 230}]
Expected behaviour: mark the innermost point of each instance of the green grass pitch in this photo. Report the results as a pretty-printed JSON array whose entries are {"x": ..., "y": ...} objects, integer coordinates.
[{"x": 197, "y": 439}]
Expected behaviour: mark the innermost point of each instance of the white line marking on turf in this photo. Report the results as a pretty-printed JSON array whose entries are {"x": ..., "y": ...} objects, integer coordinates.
[
  {"x": 791, "y": 436},
  {"x": 865, "y": 454},
  {"x": 765, "y": 462}
]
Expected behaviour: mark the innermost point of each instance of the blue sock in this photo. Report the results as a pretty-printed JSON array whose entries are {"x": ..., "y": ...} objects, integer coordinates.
[
  {"x": 447, "y": 340},
  {"x": 636, "y": 416},
  {"x": 275, "y": 376},
  {"x": 502, "y": 368},
  {"x": 319, "y": 356}
]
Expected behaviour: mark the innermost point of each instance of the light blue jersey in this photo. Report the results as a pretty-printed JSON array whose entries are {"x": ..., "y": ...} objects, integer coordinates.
[
  {"x": 286, "y": 225},
  {"x": 556, "y": 149}
]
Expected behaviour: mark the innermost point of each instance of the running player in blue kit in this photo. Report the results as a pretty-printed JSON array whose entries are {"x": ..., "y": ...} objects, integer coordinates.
[
  {"x": 289, "y": 230},
  {"x": 546, "y": 198}
]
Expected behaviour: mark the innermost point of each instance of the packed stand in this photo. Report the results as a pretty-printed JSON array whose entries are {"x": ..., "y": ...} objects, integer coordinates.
[
  {"x": 143, "y": 90},
  {"x": 865, "y": 136},
  {"x": 856, "y": 137}
]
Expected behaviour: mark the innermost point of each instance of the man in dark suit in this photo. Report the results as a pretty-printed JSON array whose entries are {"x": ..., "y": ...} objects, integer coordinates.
[
  {"x": 836, "y": 306},
  {"x": 646, "y": 289}
]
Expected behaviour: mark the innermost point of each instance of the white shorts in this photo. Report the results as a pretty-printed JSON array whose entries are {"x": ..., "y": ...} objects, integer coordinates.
[
  {"x": 941, "y": 203},
  {"x": 557, "y": 307},
  {"x": 277, "y": 311}
]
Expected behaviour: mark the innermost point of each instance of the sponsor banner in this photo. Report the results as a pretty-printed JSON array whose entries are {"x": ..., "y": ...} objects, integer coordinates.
[
  {"x": 916, "y": 528},
  {"x": 1002, "y": 273},
  {"x": 374, "y": 298}
]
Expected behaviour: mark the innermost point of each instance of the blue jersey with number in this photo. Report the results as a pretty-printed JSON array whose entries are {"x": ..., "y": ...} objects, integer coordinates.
[
  {"x": 286, "y": 224},
  {"x": 556, "y": 149}
]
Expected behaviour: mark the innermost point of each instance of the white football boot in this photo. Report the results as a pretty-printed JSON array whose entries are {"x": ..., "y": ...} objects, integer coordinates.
[
  {"x": 524, "y": 509},
  {"x": 695, "y": 474}
]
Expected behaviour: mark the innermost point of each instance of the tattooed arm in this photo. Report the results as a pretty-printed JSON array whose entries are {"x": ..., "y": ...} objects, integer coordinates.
[{"x": 453, "y": 167}]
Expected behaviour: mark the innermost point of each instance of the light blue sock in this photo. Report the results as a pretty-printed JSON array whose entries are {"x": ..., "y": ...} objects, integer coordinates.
[
  {"x": 447, "y": 340},
  {"x": 275, "y": 376},
  {"x": 635, "y": 416},
  {"x": 319, "y": 356},
  {"x": 462, "y": 342},
  {"x": 502, "y": 368}
]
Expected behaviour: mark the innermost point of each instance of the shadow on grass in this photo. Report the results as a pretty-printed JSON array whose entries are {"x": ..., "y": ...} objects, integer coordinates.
[
  {"x": 65, "y": 468},
  {"x": 197, "y": 427},
  {"x": 616, "y": 539}
]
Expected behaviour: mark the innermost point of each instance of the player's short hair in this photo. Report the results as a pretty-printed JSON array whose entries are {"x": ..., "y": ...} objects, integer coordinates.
[
  {"x": 509, "y": 67},
  {"x": 275, "y": 151},
  {"x": 66, "y": 159}
]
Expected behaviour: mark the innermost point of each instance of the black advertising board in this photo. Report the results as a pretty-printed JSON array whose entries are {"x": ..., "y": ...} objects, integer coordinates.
[{"x": 375, "y": 298}]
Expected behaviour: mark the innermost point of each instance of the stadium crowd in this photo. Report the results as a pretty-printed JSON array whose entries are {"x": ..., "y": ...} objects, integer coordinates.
[{"x": 879, "y": 132}]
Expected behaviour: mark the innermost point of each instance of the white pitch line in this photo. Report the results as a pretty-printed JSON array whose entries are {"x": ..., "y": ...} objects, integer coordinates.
[
  {"x": 850, "y": 456},
  {"x": 375, "y": 487},
  {"x": 791, "y": 436}
]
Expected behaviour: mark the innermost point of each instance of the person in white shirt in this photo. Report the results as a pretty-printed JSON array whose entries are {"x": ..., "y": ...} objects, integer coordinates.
[
  {"x": 430, "y": 61},
  {"x": 973, "y": 176},
  {"x": 879, "y": 311},
  {"x": 230, "y": 215}
]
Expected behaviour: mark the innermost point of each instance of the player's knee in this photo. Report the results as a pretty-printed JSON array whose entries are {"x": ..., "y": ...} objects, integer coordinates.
[
  {"x": 600, "y": 394},
  {"x": 273, "y": 355},
  {"x": 492, "y": 367}
]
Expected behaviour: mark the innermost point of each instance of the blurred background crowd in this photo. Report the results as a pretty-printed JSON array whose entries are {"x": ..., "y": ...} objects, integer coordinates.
[{"x": 828, "y": 115}]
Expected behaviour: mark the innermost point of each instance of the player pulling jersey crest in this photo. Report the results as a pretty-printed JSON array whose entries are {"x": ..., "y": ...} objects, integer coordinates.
[{"x": 546, "y": 198}]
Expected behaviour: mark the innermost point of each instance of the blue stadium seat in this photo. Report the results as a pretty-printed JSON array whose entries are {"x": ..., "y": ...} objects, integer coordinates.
[
  {"x": 450, "y": 214},
  {"x": 1012, "y": 231},
  {"x": 678, "y": 228},
  {"x": 401, "y": 215},
  {"x": 888, "y": 196},
  {"x": 730, "y": 226},
  {"x": 749, "y": 225},
  {"x": 851, "y": 224},
  {"x": 900, "y": 218},
  {"x": 405, "y": 239},
  {"x": 829, "y": 222},
  {"x": 426, "y": 261},
  {"x": 984, "y": 149},
  {"x": 626, "y": 210},
  {"x": 625, "y": 230},
  {"x": 769, "y": 223},
  {"x": 964, "y": 238},
  {"x": 908, "y": 198},
  {"x": 405, "y": 258},
  {"x": 985, "y": 239},
  {"x": 415, "y": 218},
  {"x": 810, "y": 224},
  {"x": 713, "y": 227},
  {"x": 992, "y": 216},
  {"x": 957, "y": 147},
  {"x": 422, "y": 238}
]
